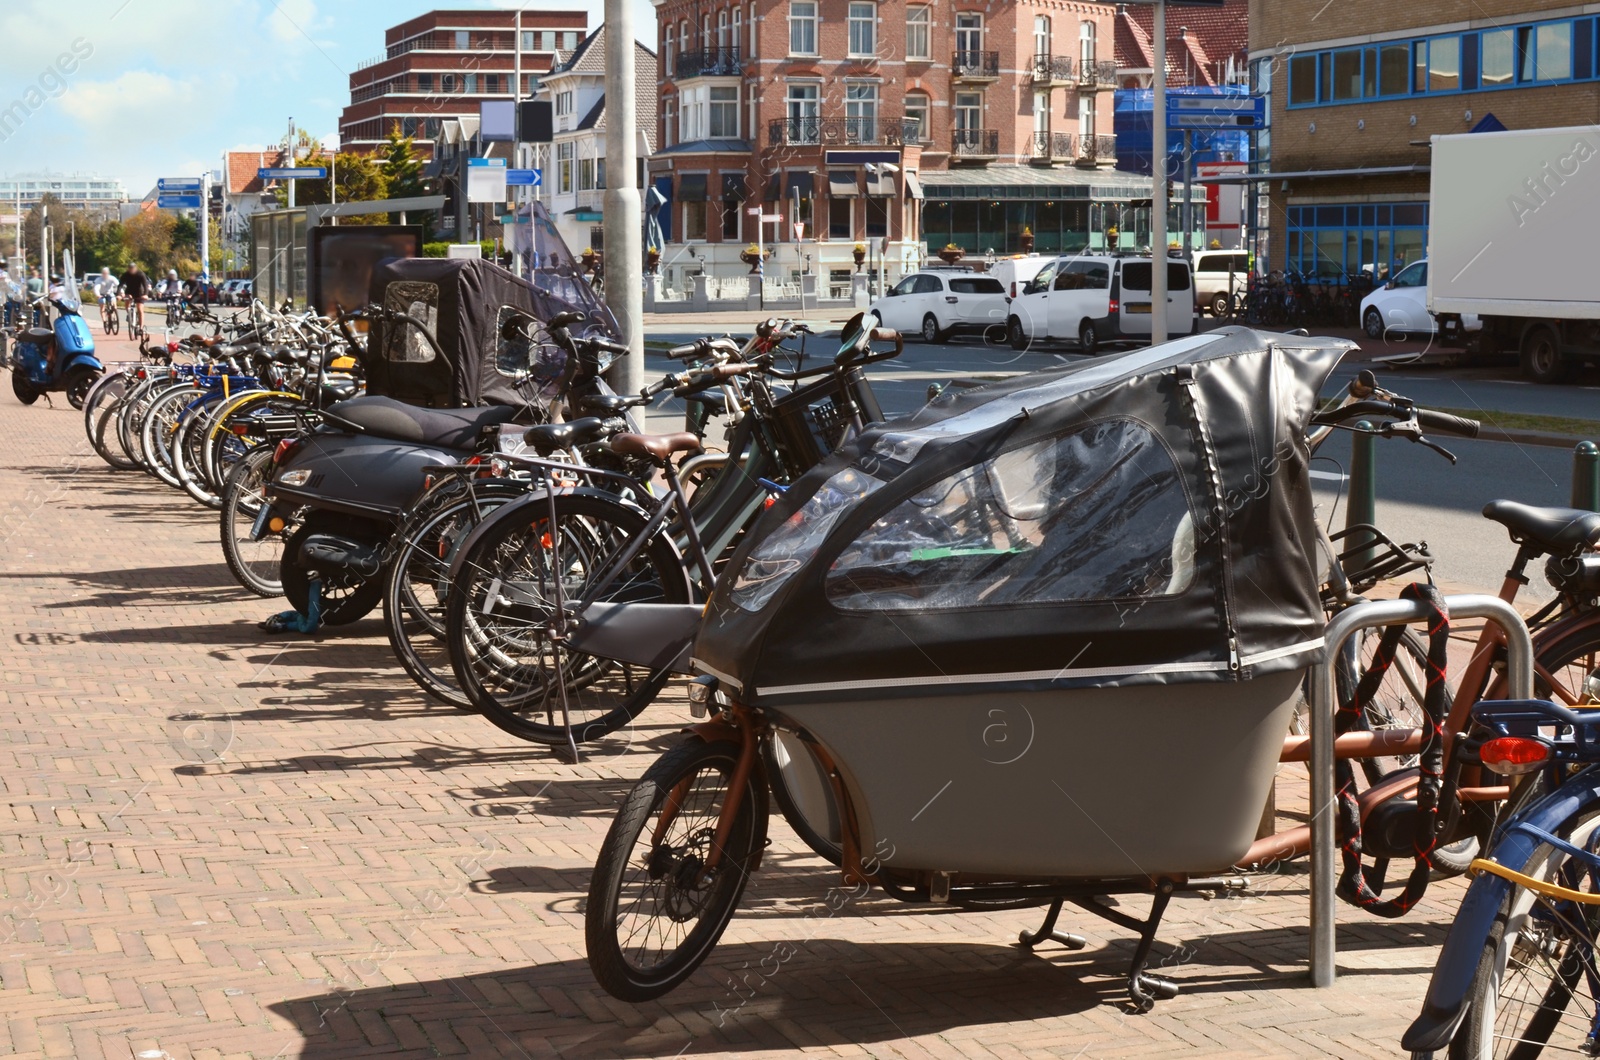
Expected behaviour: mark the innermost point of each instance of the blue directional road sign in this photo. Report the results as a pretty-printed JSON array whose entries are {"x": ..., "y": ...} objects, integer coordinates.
[
  {"x": 294, "y": 173},
  {"x": 179, "y": 185},
  {"x": 178, "y": 201},
  {"x": 1216, "y": 112},
  {"x": 524, "y": 178}
]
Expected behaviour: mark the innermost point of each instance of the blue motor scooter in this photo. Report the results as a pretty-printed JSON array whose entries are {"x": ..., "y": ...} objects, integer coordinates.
[{"x": 73, "y": 368}]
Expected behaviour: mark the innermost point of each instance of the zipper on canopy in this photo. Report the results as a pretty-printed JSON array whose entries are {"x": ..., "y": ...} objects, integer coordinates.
[{"x": 1191, "y": 392}]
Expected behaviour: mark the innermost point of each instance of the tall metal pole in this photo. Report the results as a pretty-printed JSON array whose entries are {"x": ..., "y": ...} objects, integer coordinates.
[
  {"x": 290, "y": 162},
  {"x": 1188, "y": 196},
  {"x": 623, "y": 208},
  {"x": 1158, "y": 183},
  {"x": 205, "y": 231}
]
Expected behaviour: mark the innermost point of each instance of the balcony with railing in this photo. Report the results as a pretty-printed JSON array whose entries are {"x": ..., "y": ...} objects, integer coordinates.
[
  {"x": 1053, "y": 147},
  {"x": 975, "y": 66},
  {"x": 707, "y": 62},
  {"x": 435, "y": 84},
  {"x": 1097, "y": 73},
  {"x": 974, "y": 144},
  {"x": 453, "y": 41},
  {"x": 1053, "y": 70},
  {"x": 833, "y": 132},
  {"x": 1097, "y": 150}
]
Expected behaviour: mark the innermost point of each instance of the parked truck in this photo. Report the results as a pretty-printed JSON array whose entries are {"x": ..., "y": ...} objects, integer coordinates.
[{"x": 1514, "y": 237}]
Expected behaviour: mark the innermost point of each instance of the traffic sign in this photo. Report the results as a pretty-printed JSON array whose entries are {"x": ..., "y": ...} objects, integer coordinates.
[
  {"x": 524, "y": 178},
  {"x": 293, "y": 173},
  {"x": 1216, "y": 112},
  {"x": 178, "y": 184},
  {"x": 178, "y": 202},
  {"x": 486, "y": 180}
]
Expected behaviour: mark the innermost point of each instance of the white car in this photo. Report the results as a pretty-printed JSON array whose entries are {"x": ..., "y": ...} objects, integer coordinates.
[
  {"x": 1098, "y": 298},
  {"x": 936, "y": 303},
  {"x": 1400, "y": 307}
]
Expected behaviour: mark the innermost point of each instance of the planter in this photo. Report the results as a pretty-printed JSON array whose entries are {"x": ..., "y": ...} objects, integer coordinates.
[
  {"x": 652, "y": 261},
  {"x": 588, "y": 259},
  {"x": 752, "y": 260},
  {"x": 1027, "y": 243},
  {"x": 860, "y": 256},
  {"x": 951, "y": 256}
]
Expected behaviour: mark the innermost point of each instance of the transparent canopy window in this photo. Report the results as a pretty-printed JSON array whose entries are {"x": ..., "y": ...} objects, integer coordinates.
[
  {"x": 1097, "y": 514},
  {"x": 416, "y": 299}
]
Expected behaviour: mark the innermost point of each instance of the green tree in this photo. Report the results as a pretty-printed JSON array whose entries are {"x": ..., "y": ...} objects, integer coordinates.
[
  {"x": 402, "y": 166},
  {"x": 148, "y": 237}
]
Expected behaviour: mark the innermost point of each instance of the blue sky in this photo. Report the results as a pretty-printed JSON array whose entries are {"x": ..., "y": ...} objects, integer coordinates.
[{"x": 160, "y": 88}]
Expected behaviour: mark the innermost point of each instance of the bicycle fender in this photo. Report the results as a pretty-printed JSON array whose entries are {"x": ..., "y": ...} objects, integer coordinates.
[{"x": 1444, "y": 1008}]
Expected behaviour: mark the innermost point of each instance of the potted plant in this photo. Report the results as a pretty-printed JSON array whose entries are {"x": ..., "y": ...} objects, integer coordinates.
[
  {"x": 1112, "y": 236},
  {"x": 1027, "y": 240},
  {"x": 587, "y": 257},
  {"x": 753, "y": 257},
  {"x": 652, "y": 260},
  {"x": 859, "y": 252},
  {"x": 951, "y": 254}
]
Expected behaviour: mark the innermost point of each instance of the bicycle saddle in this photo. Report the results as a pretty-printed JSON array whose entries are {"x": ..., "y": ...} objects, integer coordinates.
[
  {"x": 655, "y": 447},
  {"x": 450, "y": 428},
  {"x": 1556, "y": 530},
  {"x": 546, "y": 438},
  {"x": 603, "y": 404}
]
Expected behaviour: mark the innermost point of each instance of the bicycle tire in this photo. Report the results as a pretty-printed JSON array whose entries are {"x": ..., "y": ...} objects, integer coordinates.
[
  {"x": 824, "y": 846},
  {"x": 220, "y": 441},
  {"x": 500, "y": 661},
  {"x": 160, "y": 428},
  {"x": 672, "y": 870},
  {"x": 107, "y": 442},
  {"x": 101, "y": 403},
  {"x": 186, "y": 459},
  {"x": 1527, "y": 936},
  {"x": 250, "y": 564},
  {"x": 424, "y": 547}
]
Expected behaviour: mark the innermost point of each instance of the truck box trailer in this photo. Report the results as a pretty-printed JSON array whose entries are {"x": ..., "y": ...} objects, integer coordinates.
[{"x": 1514, "y": 237}]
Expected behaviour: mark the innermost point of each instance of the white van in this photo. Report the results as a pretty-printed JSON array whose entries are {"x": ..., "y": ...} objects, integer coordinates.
[
  {"x": 1014, "y": 273},
  {"x": 1098, "y": 298}
]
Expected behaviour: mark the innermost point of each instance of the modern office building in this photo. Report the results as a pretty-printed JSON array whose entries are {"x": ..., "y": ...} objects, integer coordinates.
[
  {"x": 1353, "y": 105},
  {"x": 80, "y": 190},
  {"x": 901, "y": 126},
  {"x": 443, "y": 64}
]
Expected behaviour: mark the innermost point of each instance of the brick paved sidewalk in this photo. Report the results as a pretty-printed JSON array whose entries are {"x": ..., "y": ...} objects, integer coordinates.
[{"x": 223, "y": 844}]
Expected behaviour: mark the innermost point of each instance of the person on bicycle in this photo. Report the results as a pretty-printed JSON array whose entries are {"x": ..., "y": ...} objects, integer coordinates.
[
  {"x": 35, "y": 285},
  {"x": 172, "y": 292},
  {"x": 136, "y": 285},
  {"x": 105, "y": 292}
]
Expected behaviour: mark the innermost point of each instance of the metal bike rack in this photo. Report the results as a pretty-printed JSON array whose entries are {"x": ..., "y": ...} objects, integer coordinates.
[{"x": 1324, "y": 701}]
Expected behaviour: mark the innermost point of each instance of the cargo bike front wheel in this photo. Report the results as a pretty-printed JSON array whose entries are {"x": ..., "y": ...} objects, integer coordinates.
[{"x": 663, "y": 888}]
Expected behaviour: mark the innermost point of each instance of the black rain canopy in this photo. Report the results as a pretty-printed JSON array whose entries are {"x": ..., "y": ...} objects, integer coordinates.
[
  {"x": 1135, "y": 519},
  {"x": 466, "y": 302}
]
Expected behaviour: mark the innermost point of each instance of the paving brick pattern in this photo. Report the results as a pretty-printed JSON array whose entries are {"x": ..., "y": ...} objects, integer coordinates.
[{"x": 222, "y": 844}]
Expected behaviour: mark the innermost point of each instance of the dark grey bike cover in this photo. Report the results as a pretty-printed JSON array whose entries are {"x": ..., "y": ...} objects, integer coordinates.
[{"x": 1133, "y": 519}]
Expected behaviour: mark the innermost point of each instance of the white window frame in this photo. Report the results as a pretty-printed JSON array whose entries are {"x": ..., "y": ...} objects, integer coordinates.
[
  {"x": 738, "y": 29},
  {"x": 969, "y": 33},
  {"x": 1086, "y": 42},
  {"x": 862, "y": 41},
  {"x": 974, "y": 108},
  {"x": 564, "y": 159},
  {"x": 919, "y": 33},
  {"x": 683, "y": 37},
  {"x": 924, "y": 104},
  {"x": 726, "y": 108},
  {"x": 1041, "y": 34},
  {"x": 722, "y": 30},
  {"x": 802, "y": 24},
  {"x": 802, "y": 108},
  {"x": 861, "y": 111}
]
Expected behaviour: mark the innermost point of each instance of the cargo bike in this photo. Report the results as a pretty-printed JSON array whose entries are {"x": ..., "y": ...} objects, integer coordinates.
[{"x": 932, "y": 651}]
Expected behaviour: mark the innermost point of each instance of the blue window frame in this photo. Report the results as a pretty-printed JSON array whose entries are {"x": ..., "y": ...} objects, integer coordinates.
[
  {"x": 1328, "y": 243},
  {"x": 1534, "y": 53}
]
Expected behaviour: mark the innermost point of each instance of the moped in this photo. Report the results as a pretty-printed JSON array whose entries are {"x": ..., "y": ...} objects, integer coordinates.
[{"x": 56, "y": 358}]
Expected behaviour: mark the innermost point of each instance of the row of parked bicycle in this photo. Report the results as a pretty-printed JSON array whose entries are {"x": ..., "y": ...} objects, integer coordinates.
[
  {"x": 1295, "y": 300},
  {"x": 1083, "y": 539}
]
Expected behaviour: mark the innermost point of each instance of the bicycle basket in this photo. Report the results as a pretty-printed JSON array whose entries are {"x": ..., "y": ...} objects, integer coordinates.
[{"x": 809, "y": 423}]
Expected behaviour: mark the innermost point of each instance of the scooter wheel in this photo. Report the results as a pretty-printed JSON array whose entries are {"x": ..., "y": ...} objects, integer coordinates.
[
  {"x": 345, "y": 597},
  {"x": 79, "y": 382},
  {"x": 22, "y": 388}
]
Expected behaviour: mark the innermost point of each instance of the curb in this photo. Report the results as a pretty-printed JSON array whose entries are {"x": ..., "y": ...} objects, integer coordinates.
[{"x": 1553, "y": 441}]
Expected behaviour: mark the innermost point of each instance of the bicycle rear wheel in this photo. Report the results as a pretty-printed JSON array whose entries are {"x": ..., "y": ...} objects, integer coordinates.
[
  {"x": 501, "y": 602},
  {"x": 256, "y": 564},
  {"x": 654, "y": 910}
]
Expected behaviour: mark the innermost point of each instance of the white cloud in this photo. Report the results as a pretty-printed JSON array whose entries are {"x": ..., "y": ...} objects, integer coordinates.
[
  {"x": 292, "y": 21},
  {"x": 121, "y": 103}
]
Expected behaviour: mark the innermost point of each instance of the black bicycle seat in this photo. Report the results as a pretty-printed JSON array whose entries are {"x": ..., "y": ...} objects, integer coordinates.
[
  {"x": 603, "y": 404},
  {"x": 1556, "y": 530},
  {"x": 547, "y": 438}
]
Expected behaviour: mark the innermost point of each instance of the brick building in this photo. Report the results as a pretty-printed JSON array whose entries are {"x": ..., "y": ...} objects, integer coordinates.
[
  {"x": 444, "y": 63},
  {"x": 894, "y": 123},
  {"x": 1205, "y": 45},
  {"x": 1352, "y": 113}
]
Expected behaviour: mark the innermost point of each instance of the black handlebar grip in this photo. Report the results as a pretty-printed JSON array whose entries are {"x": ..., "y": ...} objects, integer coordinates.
[
  {"x": 688, "y": 349},
  {"x": 600, "y": 343},
  {"x": 1443, "y": 421}
]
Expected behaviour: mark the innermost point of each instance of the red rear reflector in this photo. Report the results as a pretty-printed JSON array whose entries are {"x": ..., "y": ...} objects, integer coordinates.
[
  {"x": 1013, "y": 288},
  {"x": 241, "y": 429},
  {"x": 285, "y": 447},
  {"x": 1512, "y": 755},
  {"x": 770, "y": 501}
]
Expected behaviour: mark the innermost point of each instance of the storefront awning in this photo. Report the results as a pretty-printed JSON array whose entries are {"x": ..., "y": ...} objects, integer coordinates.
[
  {"x": 692, "y": 187},
  {"x": 913, "y": 185},
  {"x": 801, "y": 181},
  {"x": 734, "y": 188},
  {"x": 843, "y": 184},
  {"x": 880, "y": 184}
]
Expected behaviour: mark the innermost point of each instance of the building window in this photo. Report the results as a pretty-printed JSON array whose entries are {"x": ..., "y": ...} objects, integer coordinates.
[
  {"x": 803, "y": 27},
  {"x": 877, "y": 217},
  {"x": 969, "y": 110},
  {"x": 1041, "y": 34},
  {"x": 570, "y": 39},
  {"x": 586, "y": 180},
  {"x": 424, "y": 82},
  {"x": 1553, "y": 52},
  {"x": 1086, "y": 118},
  {"x": 669, "y": 111},
  {"x": 969, "y": 37},
  {"x": 863, "y": 28},
  {"x": 527, "y": 40},
  {"x": 491, "y": 83},
  {"x": 1086, "y": 42},
  {"x": 447, "y": 83},
  {"x": 666, "y": 51},
  {"x": 1498, "y": 67},
  {"x": 731, "y": 211},
  {"x": 1347, "y": 74},
  {"x": 1438, "y": 66},
  {"x": 563, "y": 104},
  {"x": 548, "y": 37},
  {"x": 694, "y": 221},
  {"x": 841, "y": 219},
  {"x": 917, "y": 110},
  {"x": 722, "y": 29},
  {"x": 462, "y": 41},
  {"x": 919, "y": 37},
  {"x": 469, "y": 83},
  {"x": 564, "y": 168},
  {"x": 804, "y": 103},
  {"x": 724, "y": 113},
  {"x": 738, "y": 27},
  {"x": 861, "y": 113},
  {"x": 683, "y": 37}
]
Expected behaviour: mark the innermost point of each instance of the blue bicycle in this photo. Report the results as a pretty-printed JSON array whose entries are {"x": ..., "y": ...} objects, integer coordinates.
[{"x": 1518, "y": 972}]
